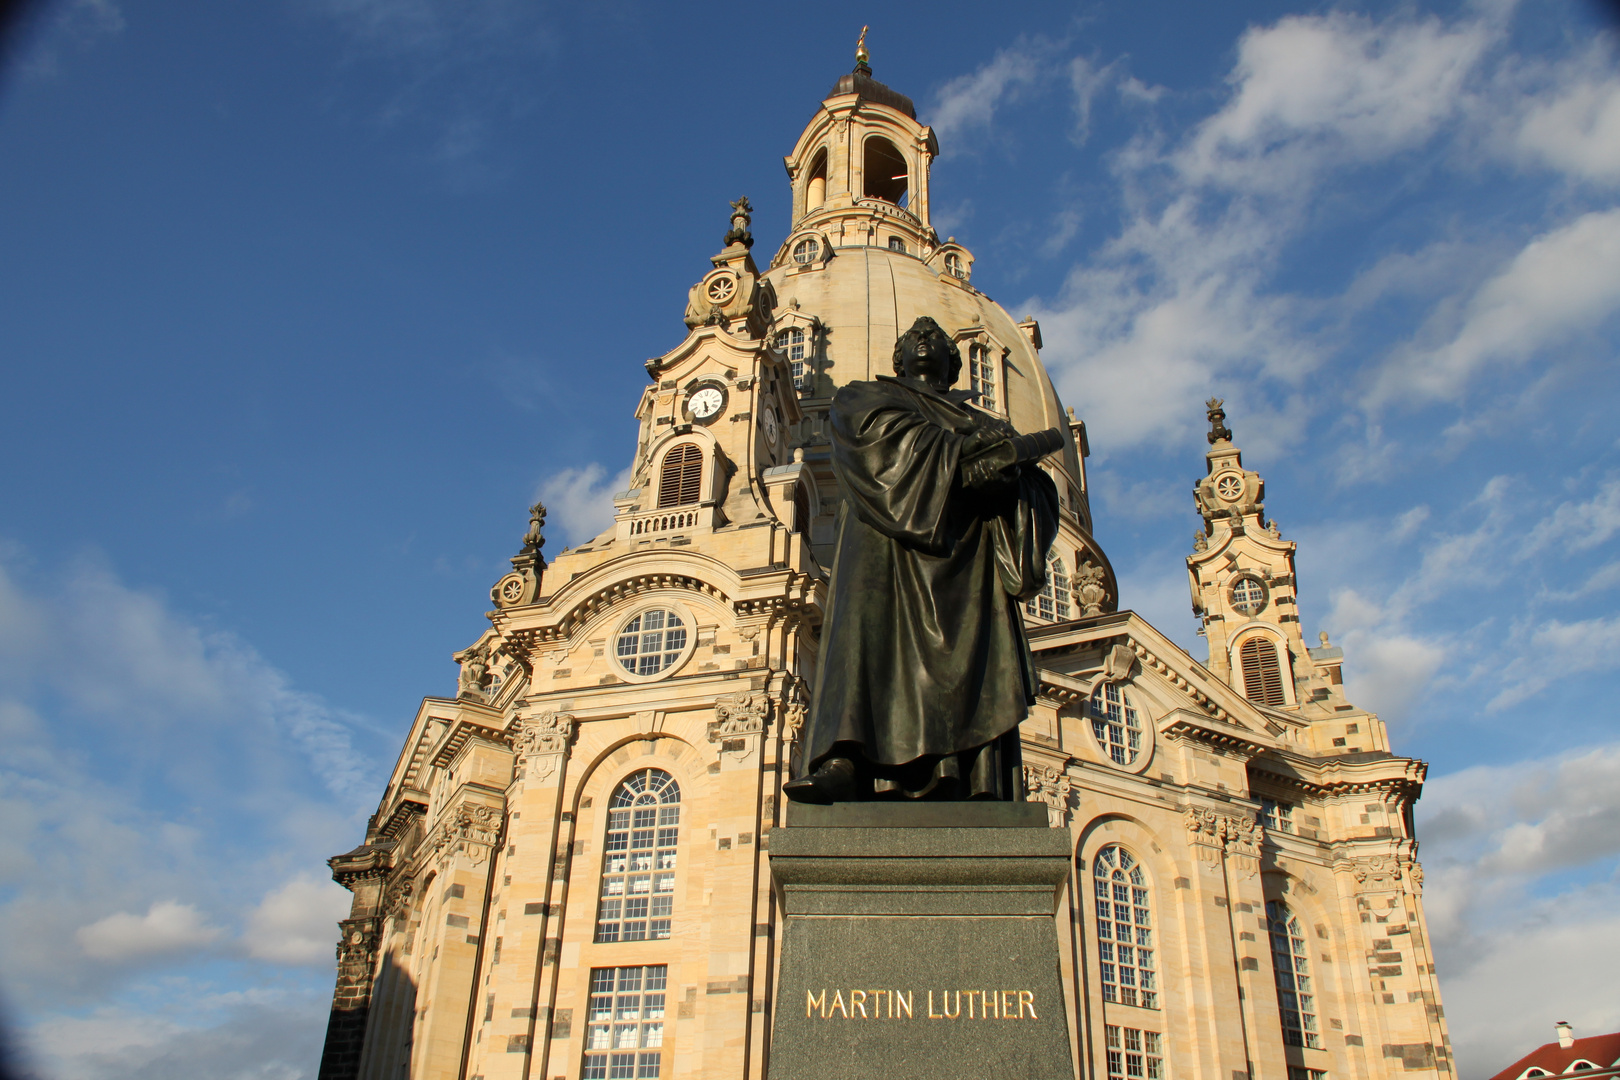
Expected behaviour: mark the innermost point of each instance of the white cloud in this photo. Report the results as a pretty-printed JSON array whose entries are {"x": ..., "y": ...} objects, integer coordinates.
[
  {"x": 970, "y": 101},
  {"x": 1580, "y": 525},
  {"x": 1563, "y": 282},
  {"x": 1180, "y": 300},
  {"x": 1556, "y": 650},
  {"x": 1514, "y": 955},
  {"x": 581, "y": 500},
  {"x": 297, "y": 923},
  {"x": 1317, "y": 91},
  {"x": 1575, "y": 126},
  {"x": 168, "y": 926}
]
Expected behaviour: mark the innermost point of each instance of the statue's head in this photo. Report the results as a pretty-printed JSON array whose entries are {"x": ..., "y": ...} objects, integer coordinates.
[{"x": 926, "y": 350}]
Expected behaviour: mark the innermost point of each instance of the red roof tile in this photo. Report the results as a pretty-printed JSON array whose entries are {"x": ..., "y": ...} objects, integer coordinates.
[{"x": 1601, "y": 1050}]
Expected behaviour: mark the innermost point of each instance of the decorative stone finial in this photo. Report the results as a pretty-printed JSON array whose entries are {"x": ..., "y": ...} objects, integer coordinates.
[
  {"x": 1323, "y": 637},
  {"x": 861, "y": 55},
  {"x": 741, "y": 216},
  {"x": 534, "y": 539},
  {"x": 1218, "y": 431}
]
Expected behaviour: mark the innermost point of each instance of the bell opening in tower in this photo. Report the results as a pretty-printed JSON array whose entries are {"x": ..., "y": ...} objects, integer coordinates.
[
  {"x": 815, "y": 190},
  {"x": 884, "y": 171}
]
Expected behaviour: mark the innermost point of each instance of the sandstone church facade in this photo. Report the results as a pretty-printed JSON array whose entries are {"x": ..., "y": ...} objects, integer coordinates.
[{"x": 567, "y": 875}]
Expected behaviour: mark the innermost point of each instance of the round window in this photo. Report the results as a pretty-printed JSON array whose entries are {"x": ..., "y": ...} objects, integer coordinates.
[
  {"x": 1248, "y": 596},
  {"x": 1230, "y": 487},
  {"x": 1115, "y": 724},
  {"x": 807, "y": 250},
  {"x": 651, "y": 642}
]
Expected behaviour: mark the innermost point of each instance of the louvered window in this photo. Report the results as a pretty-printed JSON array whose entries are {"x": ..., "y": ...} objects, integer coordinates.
[
  {"x": 1262, "y": 675},
  {"x": 682, "y": 476}
]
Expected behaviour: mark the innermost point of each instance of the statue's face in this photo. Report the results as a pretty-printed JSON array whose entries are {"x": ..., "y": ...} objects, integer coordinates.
[{"x": 929, "y": 358}]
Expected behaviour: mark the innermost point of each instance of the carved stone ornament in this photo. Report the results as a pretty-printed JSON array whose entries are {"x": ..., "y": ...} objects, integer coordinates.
[
  {"x": 1214, "y": 833},
  {"x": 1052, "y": 786},
  {"x": 540, "y": 741},
  {"x": 543, "y": 733},
  {"x": 1381, "y": 871},
  {"x": 471, "y": 830},
  {"x": 1118, "y": 663},
  {"x": 397, "y": 897},
  {"x": 1200, "y": 541},
  {"x": 474, "y": 673},
  {"x": 1088, "y": 588},
  {"x": 743, "y": 713}
]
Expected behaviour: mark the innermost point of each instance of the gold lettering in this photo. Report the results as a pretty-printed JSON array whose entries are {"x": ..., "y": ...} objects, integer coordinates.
[
  {"x": 877, "y": 1004},
  {"x": 932, "y": 1015},
  {"x": 905, "y": 1002},
  {"x": 857, "y": 1000},
  {"x": 1007, "y": 1005},
  {"x": 838, "y": 1004},
  {"x": 811, "y": 1002},
  {"x": 1026, "y": 999},
  {"x": 990, "y": 1000},
  {"x": 946, "y": 994},
  {"x": 970, "y": 995}
]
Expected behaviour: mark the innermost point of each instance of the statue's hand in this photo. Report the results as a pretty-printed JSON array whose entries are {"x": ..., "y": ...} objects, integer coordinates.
[
  {"x": 979, "y": 440},
  {"x": 986, "y": 467}
]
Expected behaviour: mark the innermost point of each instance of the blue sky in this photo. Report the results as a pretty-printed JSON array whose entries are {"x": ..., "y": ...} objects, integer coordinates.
[{"x": 304, "y": 301}]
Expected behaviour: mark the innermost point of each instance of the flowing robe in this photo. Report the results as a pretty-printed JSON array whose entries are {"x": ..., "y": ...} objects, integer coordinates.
[{"x": 923, "y": 661}]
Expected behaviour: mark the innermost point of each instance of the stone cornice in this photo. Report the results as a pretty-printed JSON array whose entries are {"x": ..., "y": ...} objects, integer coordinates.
[{"x": 1326, "y": 777}]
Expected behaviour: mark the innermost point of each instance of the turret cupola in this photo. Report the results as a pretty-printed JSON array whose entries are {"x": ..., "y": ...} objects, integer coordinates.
[
  {"x": 1242, "y": 577},
  {"x": 860, "y": 169}
]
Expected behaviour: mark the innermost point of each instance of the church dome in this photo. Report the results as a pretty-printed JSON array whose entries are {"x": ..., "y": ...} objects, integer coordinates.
[
  {"x": 858, "y": 82},
  {"x": 862, "y": 262}
]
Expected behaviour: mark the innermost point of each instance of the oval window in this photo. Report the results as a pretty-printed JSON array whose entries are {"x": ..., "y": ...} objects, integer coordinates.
[{"x": 651, "y": 642}]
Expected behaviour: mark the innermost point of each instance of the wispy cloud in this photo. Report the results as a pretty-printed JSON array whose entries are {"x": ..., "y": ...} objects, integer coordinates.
[{"x": 581, "y": 500}]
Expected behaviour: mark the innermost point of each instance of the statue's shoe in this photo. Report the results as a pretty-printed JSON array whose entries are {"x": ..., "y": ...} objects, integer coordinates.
[{"x": 833, "y": 782}]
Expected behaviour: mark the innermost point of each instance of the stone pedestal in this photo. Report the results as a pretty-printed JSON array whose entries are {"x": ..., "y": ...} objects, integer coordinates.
[{"x": 919, "y": 943}]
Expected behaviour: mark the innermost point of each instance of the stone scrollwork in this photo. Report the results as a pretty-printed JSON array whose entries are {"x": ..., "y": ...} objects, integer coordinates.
[
  {"x": 471, "y": 830},
  {"x": 540, "y": 741},
  {"x": 1052, "y": 786},
  {"x": 1213, "y": 834},
  {"x": 743, "y": 713},
  {"x": 1387, "y": 872},
  {"x": 397, "y": 897}
]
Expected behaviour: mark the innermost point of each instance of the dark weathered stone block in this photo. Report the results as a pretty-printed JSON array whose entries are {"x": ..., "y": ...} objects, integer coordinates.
[{"x": 920, "y": 951}]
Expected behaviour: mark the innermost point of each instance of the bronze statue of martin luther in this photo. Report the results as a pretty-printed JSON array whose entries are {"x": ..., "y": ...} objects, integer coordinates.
[{"x": 925, "y": 672}]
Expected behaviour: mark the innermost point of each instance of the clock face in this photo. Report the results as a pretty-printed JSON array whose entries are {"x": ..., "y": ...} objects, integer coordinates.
[
  {"x": 706, "y": 403},
  {"x": 768, "y": 421}
]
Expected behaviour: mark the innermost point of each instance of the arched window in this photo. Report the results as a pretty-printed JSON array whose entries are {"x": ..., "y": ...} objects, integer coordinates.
[
  {"x": 815, "y": 191},
  {"x": 682, "y": 477},
  {"x": 638, "y": 858},
  {"x": 1124, "y": 930},
  {"x": 794, "y": 342},
  {"x": 1262, "y": 674},
  {"x": 1052, "y": 602},
  {"x": 807, "y": 250},
  {"x": 1292, "y": 968},
  {"x": 1115, "y": 723},
  {"x": 897, "y": 244},
  {"x": 884, "y": 171},
  {"x": 953, "y": 265},
  {"x": 982, "y": 375}
]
